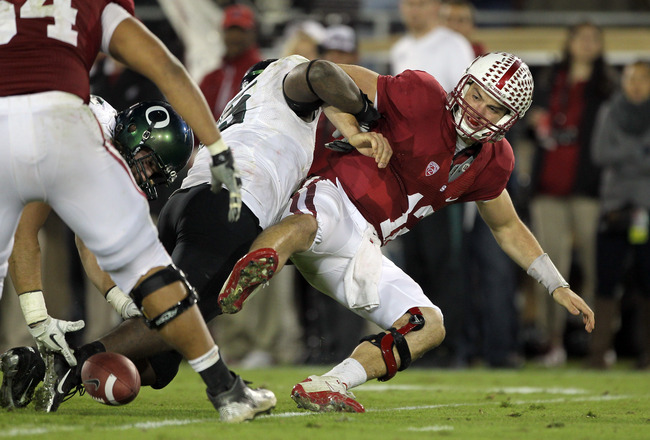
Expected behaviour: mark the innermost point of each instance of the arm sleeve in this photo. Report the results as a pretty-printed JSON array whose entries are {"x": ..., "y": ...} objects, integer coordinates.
[{"x": 112, "y": 15}]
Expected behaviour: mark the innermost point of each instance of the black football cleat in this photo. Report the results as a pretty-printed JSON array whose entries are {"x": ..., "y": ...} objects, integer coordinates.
[
  {"x": 60, "y": 384},
  {"x": 22, "y": 370}
]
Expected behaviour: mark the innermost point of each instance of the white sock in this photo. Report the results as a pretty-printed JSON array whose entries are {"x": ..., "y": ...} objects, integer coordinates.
[
  {"x": 350, "y": 372},
  {"x": 205, "y": 361}
]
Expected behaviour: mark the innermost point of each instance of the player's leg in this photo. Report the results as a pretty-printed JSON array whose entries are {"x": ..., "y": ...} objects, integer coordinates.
[
  {"x": 379, "y": 356},
  {"x": 22, "y": 368},
  {"x": 397, "y": 303},
  {"x": 111, "y": 216},
  {"x": 270, "y": 251}
]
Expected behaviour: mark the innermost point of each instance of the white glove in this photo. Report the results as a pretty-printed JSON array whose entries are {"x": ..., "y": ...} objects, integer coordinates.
[
  {"x": 224, "y": 171},
  {"x": 50, "y": 335},
  {"x": 122, "y": 303},
  {"x": 48, "y": 332}
]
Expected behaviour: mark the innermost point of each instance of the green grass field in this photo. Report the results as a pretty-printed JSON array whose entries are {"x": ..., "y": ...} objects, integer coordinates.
[{"x": 532, "y": 403}]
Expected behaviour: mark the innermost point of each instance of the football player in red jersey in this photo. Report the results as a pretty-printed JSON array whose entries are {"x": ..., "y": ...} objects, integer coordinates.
[
  {"x": 53, "y": 150},
  {"x": 446, "y": 149}
]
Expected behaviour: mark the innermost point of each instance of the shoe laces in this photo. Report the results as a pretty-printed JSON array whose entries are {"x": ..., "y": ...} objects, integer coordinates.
[{"x": 77, "y": 389}]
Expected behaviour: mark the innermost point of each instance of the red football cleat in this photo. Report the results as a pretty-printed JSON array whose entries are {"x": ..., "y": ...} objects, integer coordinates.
[
  {"x": 250, "y": 273},
  {"x": 325, "y": 394}
]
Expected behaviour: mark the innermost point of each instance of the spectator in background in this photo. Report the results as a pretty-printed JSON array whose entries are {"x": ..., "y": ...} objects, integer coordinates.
[
  {"x": 303, "y": 38},
  {"x": 240, "y": 40},
  {"x": 564, "y": 184},
  {"x": 460, "y": 16},
  {"x": 621, "y": 145},
  {"x": 431, "y": 252},
  {"x": 429, "y": 46},
  {"x": 491, "y": 321}
]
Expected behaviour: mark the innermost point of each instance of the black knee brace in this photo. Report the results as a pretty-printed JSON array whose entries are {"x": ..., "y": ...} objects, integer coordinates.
[
  {"x": 386, "y": 341},
  {"x": 158, "y": 280},
  {"x": 165, "y": 366}
]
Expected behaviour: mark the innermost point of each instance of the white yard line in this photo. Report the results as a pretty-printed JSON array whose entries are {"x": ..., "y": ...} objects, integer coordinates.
[
  {"x": 508, "y": 390},
  {"x": 27, "y": 431},
  {"x": 435, "y": 428}
]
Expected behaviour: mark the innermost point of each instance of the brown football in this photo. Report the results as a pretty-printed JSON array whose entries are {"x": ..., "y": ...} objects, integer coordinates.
[{"x": 110, "y": 378}]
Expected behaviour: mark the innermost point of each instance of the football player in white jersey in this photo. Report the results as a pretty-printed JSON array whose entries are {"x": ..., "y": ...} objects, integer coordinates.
[
  {"x": 271, "y": 124},
  {"x": 156, "y": 143}
]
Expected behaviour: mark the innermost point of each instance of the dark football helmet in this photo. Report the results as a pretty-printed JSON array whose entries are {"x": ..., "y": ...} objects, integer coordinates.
[
  {"x": 255, "y": 70},
  {"x": 152, "y": 137}
]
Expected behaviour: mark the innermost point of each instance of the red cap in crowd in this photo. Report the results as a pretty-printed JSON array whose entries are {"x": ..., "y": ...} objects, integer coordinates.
[{"x": 240, "y": 16}]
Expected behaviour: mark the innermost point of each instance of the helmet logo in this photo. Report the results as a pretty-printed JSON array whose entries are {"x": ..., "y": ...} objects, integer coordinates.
[{"x": 157, "y": 116}]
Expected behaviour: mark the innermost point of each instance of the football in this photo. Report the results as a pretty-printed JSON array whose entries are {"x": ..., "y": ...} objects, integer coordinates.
[{"x": 110, "y": 378}]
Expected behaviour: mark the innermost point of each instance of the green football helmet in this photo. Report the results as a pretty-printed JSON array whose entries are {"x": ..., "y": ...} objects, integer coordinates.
[{"x": 153, "y": 139}]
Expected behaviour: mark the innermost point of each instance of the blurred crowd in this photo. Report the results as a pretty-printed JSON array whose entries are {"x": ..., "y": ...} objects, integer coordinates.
[{"x": 582, "y": 184}]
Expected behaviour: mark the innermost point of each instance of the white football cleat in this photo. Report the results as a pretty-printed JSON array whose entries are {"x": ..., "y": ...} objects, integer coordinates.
[
  {"x": 241, "y": 403},
  {"x": 325, "y": 394}
]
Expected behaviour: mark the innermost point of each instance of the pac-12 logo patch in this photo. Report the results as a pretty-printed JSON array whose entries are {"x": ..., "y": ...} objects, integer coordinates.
[{"x": 432, "y": 169}]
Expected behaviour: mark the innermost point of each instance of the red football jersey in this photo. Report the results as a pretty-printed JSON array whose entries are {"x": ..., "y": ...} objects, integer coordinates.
[
  {"x": 416, "y": 181},
  {"x": 51, "y": 46}
]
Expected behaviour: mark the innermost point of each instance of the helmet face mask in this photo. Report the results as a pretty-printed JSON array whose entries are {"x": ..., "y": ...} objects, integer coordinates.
[
  {"x": 155, "y": 141},
  {"x": 504, "y": 78}
]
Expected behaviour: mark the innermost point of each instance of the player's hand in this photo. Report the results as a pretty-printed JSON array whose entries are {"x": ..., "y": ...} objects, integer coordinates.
[
  {"x": 224, "y": 171},
  {"x": 575, "y": 305},
  {"x": 373, "y": 144},
  {"x": 122, "y": 303},
  {"x": 50, "y": 336}
]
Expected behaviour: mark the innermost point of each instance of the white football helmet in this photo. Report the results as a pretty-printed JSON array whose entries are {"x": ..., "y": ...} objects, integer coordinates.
[{"x": 507, "y": 79}]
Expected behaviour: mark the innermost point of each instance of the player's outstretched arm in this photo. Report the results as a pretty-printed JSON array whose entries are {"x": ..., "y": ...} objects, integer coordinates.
[
  {"x": 121, "y": 302},
  {"x": 575, "y": 305},
  {"x": 324, "y": 82},
  {"x": 521, "y": 245},
  {"x": 367, "y": 143},
  {"x": 373, "y": 145},
  {"x": 134, "y": 45},
  {"x": 25, "y": 270}
]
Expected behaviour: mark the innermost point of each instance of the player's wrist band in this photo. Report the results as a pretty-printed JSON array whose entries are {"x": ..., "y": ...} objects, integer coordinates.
[
  {"x": 116, "y": 298},
  {"x": 33, "y": 306},
  {"x": 544, "y": 271},
  {"x": 217, "y": 147}
]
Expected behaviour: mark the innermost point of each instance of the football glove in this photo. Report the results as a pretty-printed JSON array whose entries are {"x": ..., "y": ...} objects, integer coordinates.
[
  {"x": 224, "y": 171},
  {"x": 122, "y": 303},
  {"x": 340, "y": 145},
  {"x": 369, "y": 115},
  {"x": 50, "y": 336}
]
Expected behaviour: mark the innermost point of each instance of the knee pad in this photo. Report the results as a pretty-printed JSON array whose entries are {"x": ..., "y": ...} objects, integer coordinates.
[
  {"x": 158, "y": 280},
  {"x": 165, "y": 366},
  {"x": 386, "y": 341}
]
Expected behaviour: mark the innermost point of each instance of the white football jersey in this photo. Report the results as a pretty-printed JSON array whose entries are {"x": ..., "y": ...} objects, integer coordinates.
[{"x": 273, "y": 148}]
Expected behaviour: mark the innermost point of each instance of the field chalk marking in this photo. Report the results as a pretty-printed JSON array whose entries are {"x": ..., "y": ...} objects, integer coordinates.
[{"x": 21, "y": 432}]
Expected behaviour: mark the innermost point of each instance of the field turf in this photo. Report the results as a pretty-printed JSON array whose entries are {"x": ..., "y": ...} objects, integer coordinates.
[{"x": 532, "y": 403}]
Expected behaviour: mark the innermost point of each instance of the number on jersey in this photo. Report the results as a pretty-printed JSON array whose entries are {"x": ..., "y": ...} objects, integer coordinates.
[{"x": 62, "y": 11}]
